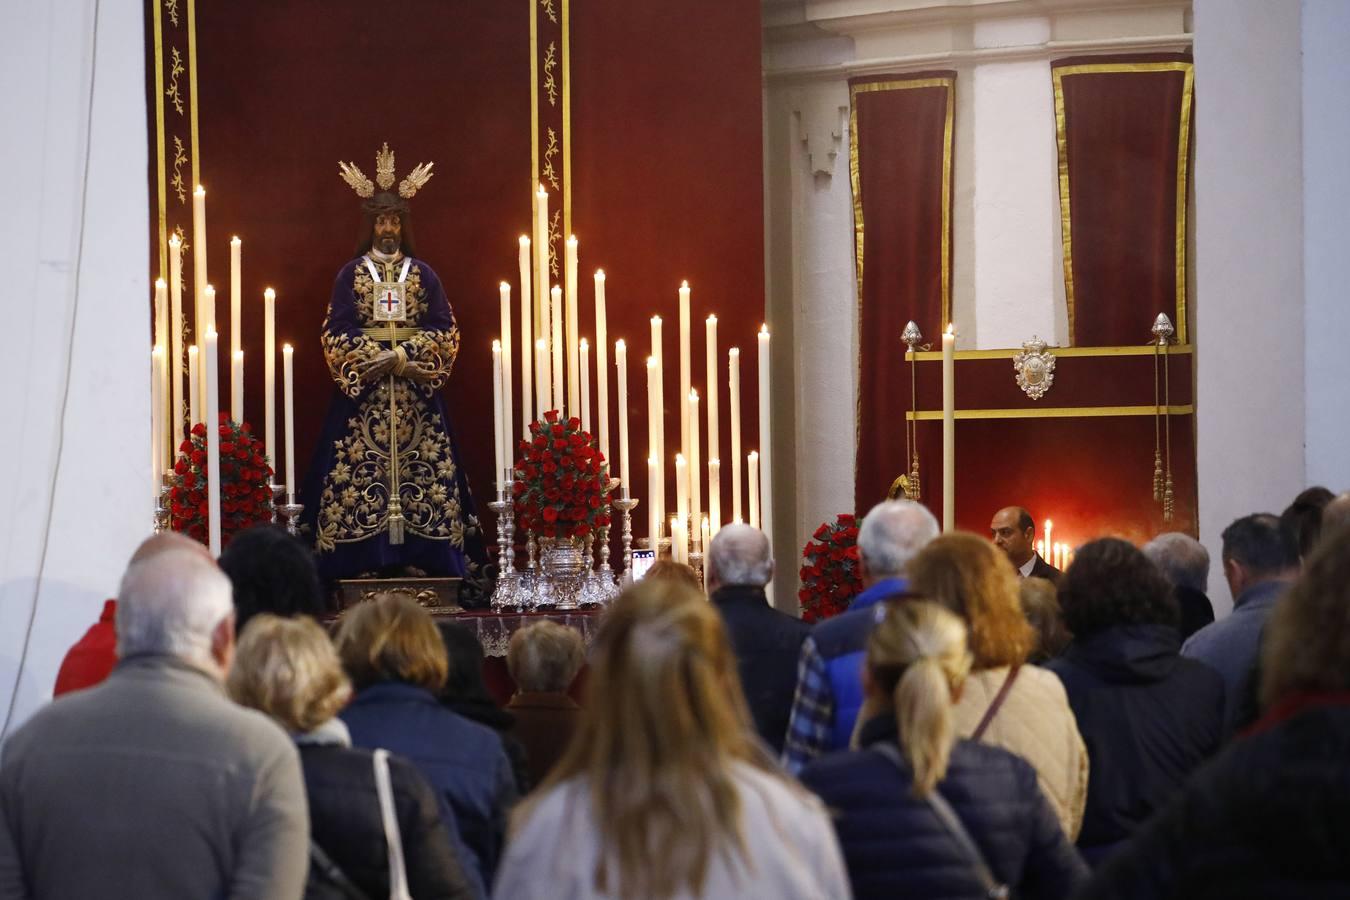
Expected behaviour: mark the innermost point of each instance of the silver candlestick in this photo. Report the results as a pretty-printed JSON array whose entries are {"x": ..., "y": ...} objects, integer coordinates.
[
  {"x": 505, "y": 593},
  {"x": 291, "y": 513},
  {"x": 278, "y": 494},
  {"x": 625, "y": 505},
  {"x": 164, "y": 507}
]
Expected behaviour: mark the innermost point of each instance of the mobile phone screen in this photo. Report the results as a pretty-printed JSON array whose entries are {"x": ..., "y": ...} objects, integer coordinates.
[{"x": 642, "y": 561}]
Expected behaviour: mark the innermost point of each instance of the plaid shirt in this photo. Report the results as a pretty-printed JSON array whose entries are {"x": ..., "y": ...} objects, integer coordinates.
[{"x": 812, "y": 719}]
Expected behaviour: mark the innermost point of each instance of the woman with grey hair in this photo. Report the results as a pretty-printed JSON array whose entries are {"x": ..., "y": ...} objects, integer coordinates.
[{"x": 543, "y": 659}]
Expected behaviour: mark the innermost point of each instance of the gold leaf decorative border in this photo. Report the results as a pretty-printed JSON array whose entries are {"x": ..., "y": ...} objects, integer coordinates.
[{"x": 176, "y": 135}]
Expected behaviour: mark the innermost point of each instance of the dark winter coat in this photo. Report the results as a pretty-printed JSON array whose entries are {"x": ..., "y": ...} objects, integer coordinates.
[
  {"x": 767, "y": 644},
  {"x": 1148, "y": 716},
  {"x": 463, "y": 760},
  {"x": 1265, "y": 818},
  {"x": 895, "y": 846},
  {"x": 344, "y": 813}
]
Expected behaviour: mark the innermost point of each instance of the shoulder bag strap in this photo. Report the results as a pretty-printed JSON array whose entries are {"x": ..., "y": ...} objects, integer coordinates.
[
  {"x": 952, "y": 823},
  {"x": 998, "y": 701},
  {"x": 322, "y": 863},
  {"x": 398, "y": 875}
]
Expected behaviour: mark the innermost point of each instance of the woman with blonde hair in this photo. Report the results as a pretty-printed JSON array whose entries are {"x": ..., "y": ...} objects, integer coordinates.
[
  {"x": 288, "y": 669},
  {"x": 665, "y": 791},
  {"x": 397, "y": 661},
  {"x": 919, "y": 812},
  {"x": 1006, "y": 703}
]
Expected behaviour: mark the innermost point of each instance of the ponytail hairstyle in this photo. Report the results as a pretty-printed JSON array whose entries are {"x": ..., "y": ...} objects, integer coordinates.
[{"x": 918, "y": 656}]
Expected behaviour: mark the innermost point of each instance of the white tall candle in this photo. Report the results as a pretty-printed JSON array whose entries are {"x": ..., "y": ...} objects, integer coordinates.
[
  {"x": 212, "y": 442},
  {"x": 270, "y": 379},
  {"x": 653, "y": 517},
  {"x": 1049, "y": 539},
  {"x": 540, "y": 380},
  {"x": 237, "y": 386},
  {"x": 497, "y": 413},
  {"x": 209, "y": 312},
  {"x": 705, "y": 534},
  {"x": 695, "y": 473},
  {"x": 949, "y": 430},
  {"x": 194, "y": 385},
  {"x": 236, "y": 334},
  {"x": 752, "y": 462},
  {"x": 161, "y": 373},
  {"x": 602, "y": 364},
  {"x": 178, "y": 411},
  {"x": 715, "y": 494},
  {"x": 711, "y": 386},
  {"x": 573, "y": 328},
  {"x": 658, "y": 415},
  {"x": 157, "y": 422},
  {"x": 287, "y": 373},
  {"x": 654, "y": 437},
  {"x": 765, "y": 436},
  {"x": 541, "y": 273},
  {"x": 734, "y": 399},
  {"x": 584, "y": 370},
  {"x": 685, "y": 367},
  {"x": 676, "y": 540},
  {"x": 526, "y": 340},
  {"x": 681, "y": 489},
  {"x": 558, "y": 351},
  {"x": 201, "y": 323},
  {"x": 508, "y": 395},
  {"x": 621, "y": 363},
  {"x": 1040, "y": 548}
]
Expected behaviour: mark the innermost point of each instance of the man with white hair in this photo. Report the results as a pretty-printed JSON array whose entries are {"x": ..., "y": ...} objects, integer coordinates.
[
  {"x": 153, "y": 784},
  {"x": 829, "y": 674},
  {"x": 766, "y": 642},
  {"x": 1184, "y": 562}
]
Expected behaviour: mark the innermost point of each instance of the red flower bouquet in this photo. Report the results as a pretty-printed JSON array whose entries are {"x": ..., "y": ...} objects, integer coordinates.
[
  {"x": 245, "y": 482},
  {"x": 560, "y": 480},
  {"x": 830, "y": 573}
]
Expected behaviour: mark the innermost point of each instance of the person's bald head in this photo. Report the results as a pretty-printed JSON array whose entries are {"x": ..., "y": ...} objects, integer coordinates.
[
  {"x": 739, "y": 555},
  {"x": 1014, "y": 532},
  {"x": 163, "y": 543}
]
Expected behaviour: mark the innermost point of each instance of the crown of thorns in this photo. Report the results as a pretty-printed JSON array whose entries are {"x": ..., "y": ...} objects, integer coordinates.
[{"x": 384, "y": 175}]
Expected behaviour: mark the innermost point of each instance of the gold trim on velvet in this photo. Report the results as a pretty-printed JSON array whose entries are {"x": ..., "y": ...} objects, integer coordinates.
[
  {"x": 159, "y": 143},
  {"x": 1183, "y": 152},
  {"x": 856, "y": 182},
  {"x": 1054, "y": 412},
  {"x": 1059, "y": 352}
]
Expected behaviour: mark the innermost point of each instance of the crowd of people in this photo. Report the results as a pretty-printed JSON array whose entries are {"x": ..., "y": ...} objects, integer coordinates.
[{"x": 977, "y": 724}]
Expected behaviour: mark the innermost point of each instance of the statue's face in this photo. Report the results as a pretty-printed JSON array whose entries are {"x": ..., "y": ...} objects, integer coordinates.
[{"x": 388, "y": 232}]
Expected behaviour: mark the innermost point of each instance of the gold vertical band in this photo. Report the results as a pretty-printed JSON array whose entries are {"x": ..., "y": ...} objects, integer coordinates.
[
  {"x": 566, "y": 119},
  {"x": 1065, "y": 227},
  {"x": 192, "y": 91},
  {"x": 1183, "y": 157},
  {"x": 160, "y": 162},
  {"x": 534, "y": 102},
  {"x": 947, "y": 206}
]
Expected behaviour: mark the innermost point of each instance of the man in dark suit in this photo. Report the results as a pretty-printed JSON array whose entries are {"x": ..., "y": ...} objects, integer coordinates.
[
  {"x": 1014, "y": 532},
  {"x": 767, "y": 642}
]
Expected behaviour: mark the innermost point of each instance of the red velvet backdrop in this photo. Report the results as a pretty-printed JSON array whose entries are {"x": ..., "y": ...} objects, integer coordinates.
[
  {"x": 902, "y": 203},
  {"x": 1092, "y": 475},
  {"x": 666, "y": 152},
  {"x": 1124, "y": 129}
]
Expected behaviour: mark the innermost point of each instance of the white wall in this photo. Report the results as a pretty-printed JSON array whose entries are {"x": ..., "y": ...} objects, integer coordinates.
[
  {"x": 1249, "y": 193},
  {"x": 1326, "y": 227},
  {"x": 76, "y": 496}
]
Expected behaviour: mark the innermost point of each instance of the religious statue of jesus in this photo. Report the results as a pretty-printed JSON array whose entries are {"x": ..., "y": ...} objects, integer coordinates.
[{"x": 385, "y": 495}]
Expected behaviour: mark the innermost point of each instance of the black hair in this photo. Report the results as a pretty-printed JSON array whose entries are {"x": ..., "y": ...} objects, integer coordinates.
[
  {"x": 465, "y": 679},
  {"x": 1111, "y": 582},
  {"x": 1302, "y": 520},
  {"x": 1024, "y": 520},
  {"x": 272, "y": 572},
  {"x": 1260, "y": 544},
  {"x": 383, "y": 203}
]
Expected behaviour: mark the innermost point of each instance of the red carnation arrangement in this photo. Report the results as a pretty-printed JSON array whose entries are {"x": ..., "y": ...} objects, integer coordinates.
[
  {"x": 560, "y": 480},
  {"x": 830, "y": 575},
  {"x": 245, "y": 482}
]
